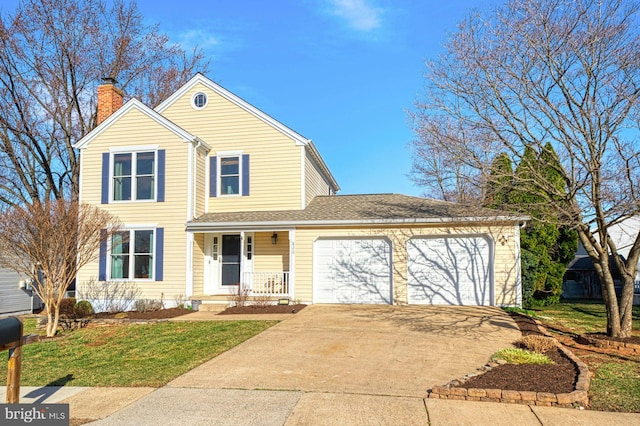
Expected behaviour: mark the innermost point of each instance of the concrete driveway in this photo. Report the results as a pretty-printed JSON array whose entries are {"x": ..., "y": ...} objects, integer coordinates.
[{"x": 361, "y": 349}]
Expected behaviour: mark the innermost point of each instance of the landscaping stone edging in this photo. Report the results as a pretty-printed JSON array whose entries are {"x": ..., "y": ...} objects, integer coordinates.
[
  {"x": 604, "y": 343},
  {"x": 579, "y": 396}
]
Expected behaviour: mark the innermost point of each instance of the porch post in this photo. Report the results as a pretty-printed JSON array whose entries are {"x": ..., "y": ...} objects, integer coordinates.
[
  {"x": 243, "y": 258},
  {"x": 292, "y": 261}
]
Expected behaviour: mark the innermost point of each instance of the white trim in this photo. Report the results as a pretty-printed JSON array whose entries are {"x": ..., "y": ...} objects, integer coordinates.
[
  {"x": 133, "y": 148},
  {"x": 228, "y": 154},
  {"x": 207, "y": 182},
  {"x": 134, "y": 166},
  {"x": 131, "y": 254},
  {"x": 193, "y": 101},
  {"x": 190, "y": 183},
  {"x": 80, "y": 174},
  {"x": 303, "y": 177},
  {"x": 292, "y": 262},
  {"x": 130, "y": 105},
  {"x": 189, "y": 278},
  {"x": 223, "y": 226}
]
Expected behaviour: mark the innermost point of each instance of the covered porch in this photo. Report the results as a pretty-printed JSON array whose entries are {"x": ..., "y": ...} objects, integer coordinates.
[{"x": 256, "y": 263}]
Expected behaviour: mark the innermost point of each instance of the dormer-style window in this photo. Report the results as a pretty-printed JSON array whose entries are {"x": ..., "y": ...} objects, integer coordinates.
[{"x": 133, "y": 175}]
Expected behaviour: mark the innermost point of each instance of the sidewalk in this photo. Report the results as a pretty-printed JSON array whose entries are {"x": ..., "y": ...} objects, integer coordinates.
[{"x": 178, "y": 406}]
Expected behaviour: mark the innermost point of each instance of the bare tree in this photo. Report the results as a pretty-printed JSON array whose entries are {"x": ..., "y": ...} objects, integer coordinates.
[
  {"x": 535, "y": 72},
  {"x": 53, "y": 54},
  {"x": 49, "y": 242}
]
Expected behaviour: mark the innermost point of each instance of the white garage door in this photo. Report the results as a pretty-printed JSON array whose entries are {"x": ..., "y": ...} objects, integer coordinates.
[
  {"x": 352, "y": 271},
  {"x": 449, "y": 271}
]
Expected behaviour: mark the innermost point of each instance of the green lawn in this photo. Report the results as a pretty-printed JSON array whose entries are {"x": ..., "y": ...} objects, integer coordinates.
[
  {"x": 582, "y": 316},
  {"x": 129, "y": 355},
  {"x": 615, "y": 385}
]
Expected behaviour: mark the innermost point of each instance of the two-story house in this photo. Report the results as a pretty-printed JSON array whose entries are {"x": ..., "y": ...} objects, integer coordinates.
[{"x": 213, "y": 193}]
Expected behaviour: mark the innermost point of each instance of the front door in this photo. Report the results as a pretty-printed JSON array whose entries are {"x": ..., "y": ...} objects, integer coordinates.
[{"x": 230, "y": 260}]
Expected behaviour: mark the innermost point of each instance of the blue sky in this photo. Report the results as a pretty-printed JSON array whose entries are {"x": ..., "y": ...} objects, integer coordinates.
[{"x": 340, "y": 72}]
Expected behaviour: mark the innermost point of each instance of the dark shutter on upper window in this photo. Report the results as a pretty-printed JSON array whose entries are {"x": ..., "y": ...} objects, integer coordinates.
[
  {"x": 245, "y": 174},
  {"x": 102, "y": 260},
  {"x": 213, "y": 176},
  {"x": 161, "y": 174},
  {"x": 159, "y": 254},
  {"x": 105, "y": 178}
]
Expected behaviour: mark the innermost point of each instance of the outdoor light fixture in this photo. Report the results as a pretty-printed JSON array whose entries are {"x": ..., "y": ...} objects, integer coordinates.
[
  {"x": 274, "y": 238},
  {"x": 503, "y": 239}
]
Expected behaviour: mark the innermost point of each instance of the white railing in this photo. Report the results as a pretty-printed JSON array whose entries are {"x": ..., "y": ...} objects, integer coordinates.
[{"x": 267, "y": 283}]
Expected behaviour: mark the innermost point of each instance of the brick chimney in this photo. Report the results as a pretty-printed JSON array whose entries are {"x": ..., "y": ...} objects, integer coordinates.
[{"x": 109, "y": 99}]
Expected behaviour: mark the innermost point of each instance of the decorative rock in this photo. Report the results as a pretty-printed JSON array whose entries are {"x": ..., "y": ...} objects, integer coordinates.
[
  {"x": 458, "y": 391},
  {"x": 546, "y": 397},
  {"x": 528, "y": 396},
  {"x": 494, "y": 393},
  {"x": 511, "y": 395},
  {"x": 476, "y": 392}
]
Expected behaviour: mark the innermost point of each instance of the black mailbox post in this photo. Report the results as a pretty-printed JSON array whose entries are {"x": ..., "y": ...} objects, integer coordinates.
[{"x": 11, "y": 338}]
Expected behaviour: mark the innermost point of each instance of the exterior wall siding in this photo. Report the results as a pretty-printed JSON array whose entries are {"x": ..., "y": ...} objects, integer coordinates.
[
  {"x": 275, "y": 181},
  {"x": 13, "y": 300},
  {"x": 198, "y": 264},
  {"x": 271, "y": 257},
  {"x": 315, "y": 184},
  {"x": 136, "y": 129},
  {"x": 505, "y": 269}
]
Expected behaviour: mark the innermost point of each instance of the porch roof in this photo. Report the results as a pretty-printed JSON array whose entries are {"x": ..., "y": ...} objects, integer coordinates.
[{"x": 341, "y": 210}]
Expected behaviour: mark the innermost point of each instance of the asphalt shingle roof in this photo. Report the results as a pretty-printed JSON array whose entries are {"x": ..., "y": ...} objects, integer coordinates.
[{"x": 372, "y": 208}]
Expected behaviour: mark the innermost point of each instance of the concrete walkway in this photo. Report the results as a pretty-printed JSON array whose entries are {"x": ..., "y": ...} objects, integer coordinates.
[{"x": 331, "y": 365}]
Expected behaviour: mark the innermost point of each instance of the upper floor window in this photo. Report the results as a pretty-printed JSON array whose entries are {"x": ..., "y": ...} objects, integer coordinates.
[
  {"x": 229, "y": 175},
  {"x": 199, "y": 100},
  {"x": 134, "y": 176}
]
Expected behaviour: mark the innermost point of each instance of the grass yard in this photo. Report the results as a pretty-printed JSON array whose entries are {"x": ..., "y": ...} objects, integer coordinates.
[
  {"x": 583, "y": 316},
  {"x": 129, "y": 355},
  {"x": 615, "y": 385}
]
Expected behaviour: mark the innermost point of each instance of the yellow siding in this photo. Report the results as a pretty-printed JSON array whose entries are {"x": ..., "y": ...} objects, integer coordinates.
[
  {"x": 198, "y": 264},
  {"x": 275, "y": 162},
  {"x": 505, "y": 256},
  {"x": 314, "y": 181},
  {"x": 136, "y": 129},
  {"x": 271, "y": 257}
]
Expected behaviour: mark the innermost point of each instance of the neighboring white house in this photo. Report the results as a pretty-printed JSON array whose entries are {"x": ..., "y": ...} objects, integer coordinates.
[
  {"x": 15, "y": 296},
  {"x": 578, "y": 284}
]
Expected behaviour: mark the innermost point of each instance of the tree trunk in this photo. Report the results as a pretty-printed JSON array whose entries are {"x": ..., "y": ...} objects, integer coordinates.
[{"x": 626, "y": 306}]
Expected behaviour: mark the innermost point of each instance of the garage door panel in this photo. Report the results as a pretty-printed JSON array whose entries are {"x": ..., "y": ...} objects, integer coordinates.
[
  {"x": 449, "y": 271},
  {"x": 352, "y": 271}
]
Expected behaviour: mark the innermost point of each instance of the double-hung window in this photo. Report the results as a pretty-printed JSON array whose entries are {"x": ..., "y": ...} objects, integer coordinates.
[
  {"x": 230, "y": 175},
  {"x": 131, "y": 254},
  {"x": 134, "y": 176}
]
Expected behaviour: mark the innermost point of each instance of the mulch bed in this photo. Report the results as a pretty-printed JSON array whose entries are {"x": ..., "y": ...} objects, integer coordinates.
[
  {"x": 554, "y": 378},
  {"x": 160, "y": 314},
  {"x": 268, "y": 309}
]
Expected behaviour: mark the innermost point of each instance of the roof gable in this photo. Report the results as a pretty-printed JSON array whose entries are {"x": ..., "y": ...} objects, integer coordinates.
[
  {"x": 246, "y": 106},
  {"x": 137, "y": 105}
]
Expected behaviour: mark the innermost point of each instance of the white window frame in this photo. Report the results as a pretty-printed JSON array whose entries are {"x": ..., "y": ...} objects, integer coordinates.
[
  {"x": 228, "y": 154},
  {"x": 131, "y": 230},
  {"x": 134, "y": 189},
  {"x": 193, "y": 100}
]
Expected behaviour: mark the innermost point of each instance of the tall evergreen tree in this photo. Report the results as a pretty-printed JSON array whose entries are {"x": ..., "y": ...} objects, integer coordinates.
[
  {"x": 546, "y": 248},
  {"x": 499, "y": 183}
]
